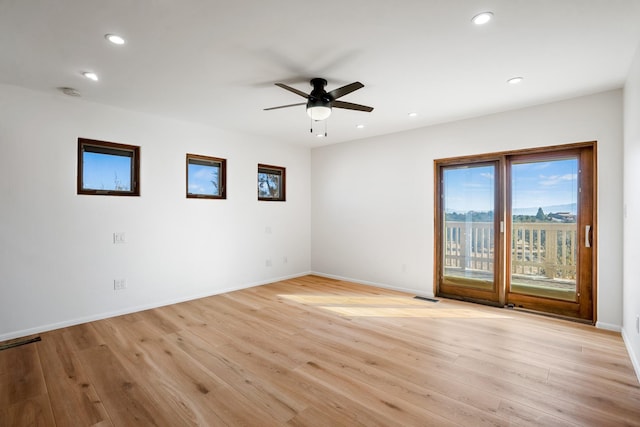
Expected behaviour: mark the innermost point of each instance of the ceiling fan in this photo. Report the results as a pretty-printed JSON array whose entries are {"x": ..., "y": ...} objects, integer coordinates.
[{"x": 320, "y": 102}]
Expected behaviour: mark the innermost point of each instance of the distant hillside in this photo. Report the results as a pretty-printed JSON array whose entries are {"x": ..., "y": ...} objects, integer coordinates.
[{"x": 571, "y": 208}]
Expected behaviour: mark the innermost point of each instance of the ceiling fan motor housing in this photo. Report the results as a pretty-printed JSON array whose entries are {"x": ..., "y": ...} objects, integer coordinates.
[
  {"x": 319, "y": 96},
  {"x": 319, "y": 101}
]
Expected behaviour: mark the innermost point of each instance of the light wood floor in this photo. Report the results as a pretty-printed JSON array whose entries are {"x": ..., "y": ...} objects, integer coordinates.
[{"x": 320, "y": 352}]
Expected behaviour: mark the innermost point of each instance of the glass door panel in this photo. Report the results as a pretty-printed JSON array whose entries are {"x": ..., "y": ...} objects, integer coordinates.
[
  {"x": 468, "y": 226},
  {"x": 544, "y": 232}
]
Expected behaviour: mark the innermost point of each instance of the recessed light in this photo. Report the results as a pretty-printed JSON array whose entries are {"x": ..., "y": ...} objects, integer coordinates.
[
  {"x": 91, "y": 75},
  {"x": 360, "y": 126},
  {"x": 515, "y": 80},
  {"x": 482, "y": 18},
  {"x": 413, "y": 114},
  {"x": 114, "y": 38}
]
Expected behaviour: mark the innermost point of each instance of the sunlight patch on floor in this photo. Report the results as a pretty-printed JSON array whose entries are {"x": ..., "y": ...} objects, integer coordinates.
[
  {"x": 385, "y": 306},
  {"x": 353, "y": 300},
  {"x": 411, "y": 312}
]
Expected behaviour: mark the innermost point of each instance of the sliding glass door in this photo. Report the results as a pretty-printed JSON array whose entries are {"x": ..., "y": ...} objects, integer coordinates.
[{"x": 525, "y": 240}]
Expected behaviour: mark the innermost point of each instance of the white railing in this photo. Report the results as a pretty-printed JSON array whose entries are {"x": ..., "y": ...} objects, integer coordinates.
[{"x": 538, "y": 249}]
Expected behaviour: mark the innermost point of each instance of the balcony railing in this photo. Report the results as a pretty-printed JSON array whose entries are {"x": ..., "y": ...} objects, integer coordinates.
[{"x": 541, "y": 250}]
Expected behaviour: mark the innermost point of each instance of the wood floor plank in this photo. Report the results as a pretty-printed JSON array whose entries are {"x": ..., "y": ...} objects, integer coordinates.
[
  {"x": 566, "y": 408},
  {"x": 82, "y": 337},
  {"x": 625, "y": 405},
  {"x": 330, "y": 407},
  {"x": 22, "y": 378},
  {"x": 381, "y": 375},
  {"x": 73, "y": 397},
  {"x": 382, "y": 403},
  {"x": 171, "y": 386},
  {"x": 519, "y": 414},
  {"x": 126, "y": 401},
  {"x": 262, "y": 394},
  {"x": 312, "y": 351},
  {"x": 32, "y": 412}
]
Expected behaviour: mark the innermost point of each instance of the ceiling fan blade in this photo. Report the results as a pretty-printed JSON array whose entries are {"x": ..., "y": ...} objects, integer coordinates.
[
  {"x": 344, "y": 90},
  {"x": 285, "y": 106},
  {"x": 352, "y": 106},
  {"x": 292, "y": 89}
]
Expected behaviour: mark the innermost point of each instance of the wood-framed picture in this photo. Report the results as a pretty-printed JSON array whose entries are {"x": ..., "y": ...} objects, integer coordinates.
[{"x": 271, "y": 183}]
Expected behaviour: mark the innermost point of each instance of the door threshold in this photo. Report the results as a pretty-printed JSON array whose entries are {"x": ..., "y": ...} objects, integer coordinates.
[
  {"x": 553, "y": 315},
  {"x": 471, "y": 300},
  {"x": 513, "y": 307}
]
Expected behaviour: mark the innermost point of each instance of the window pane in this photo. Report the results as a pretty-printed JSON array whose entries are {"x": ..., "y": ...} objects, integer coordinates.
[
  {"x": 469, "y": 236},
  {"x": 106, "y": 172},
  {"x": 204, "y": 178},
  {"x": 268, "y": 185},
  {"x": 544, "y": 238}
]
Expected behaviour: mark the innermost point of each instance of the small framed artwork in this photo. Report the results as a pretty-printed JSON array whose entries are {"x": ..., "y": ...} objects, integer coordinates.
[
  {"x": 271, "y": 183},
  {"x": 206, "y": 177}
]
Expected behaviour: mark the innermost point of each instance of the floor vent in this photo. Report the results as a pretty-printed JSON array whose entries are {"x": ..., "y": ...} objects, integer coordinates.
[
  {"x": 18, "y": 343},
  {"x": 427, "y": 299}
]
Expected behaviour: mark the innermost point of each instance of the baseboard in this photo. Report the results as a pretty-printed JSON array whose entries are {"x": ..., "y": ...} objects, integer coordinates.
[
  {"x": 635, "y": 358},
  {"x": 128, "y": 310},
  {"x": 376, "y": 284},
  {"x": 608, "y": 326}
]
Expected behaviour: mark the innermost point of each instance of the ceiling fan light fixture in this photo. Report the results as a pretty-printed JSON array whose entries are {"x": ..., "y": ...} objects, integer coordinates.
[{"x": 318, "y": 112}]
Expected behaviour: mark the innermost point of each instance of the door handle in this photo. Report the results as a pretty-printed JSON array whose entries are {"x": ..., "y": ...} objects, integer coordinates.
[{"x": 587, "y": 236}]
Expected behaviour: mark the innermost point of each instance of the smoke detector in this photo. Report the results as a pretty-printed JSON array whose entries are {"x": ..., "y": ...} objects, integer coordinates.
[{"x": 69, "y": 91}]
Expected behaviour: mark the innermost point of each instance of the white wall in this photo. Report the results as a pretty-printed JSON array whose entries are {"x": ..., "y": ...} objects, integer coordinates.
[
  {"x": 372, "y": 200},
  {"x": 57, "y": 257},
  {"x": 631, "y": 212}
]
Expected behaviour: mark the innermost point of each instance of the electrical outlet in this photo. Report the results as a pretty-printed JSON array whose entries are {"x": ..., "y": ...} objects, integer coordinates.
[
  {"x": 267, "y": 263},
  {"x": 638, "y": 325},
  {"x": 284, "y": 260},
  {"x": 119, "y": 284}
]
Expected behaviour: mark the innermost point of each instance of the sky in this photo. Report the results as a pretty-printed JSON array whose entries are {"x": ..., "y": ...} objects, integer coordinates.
[
  {"x": 200, "y": 178},
  {"x": 103, "y": 171},
  {"x": 534, "y": 185}
]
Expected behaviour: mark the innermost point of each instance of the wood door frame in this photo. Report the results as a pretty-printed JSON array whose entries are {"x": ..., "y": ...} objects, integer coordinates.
[{"x": 587, "y": 310}]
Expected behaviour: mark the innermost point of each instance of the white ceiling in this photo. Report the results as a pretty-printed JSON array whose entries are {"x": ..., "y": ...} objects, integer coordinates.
[{"x": 216, "y": 61}]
